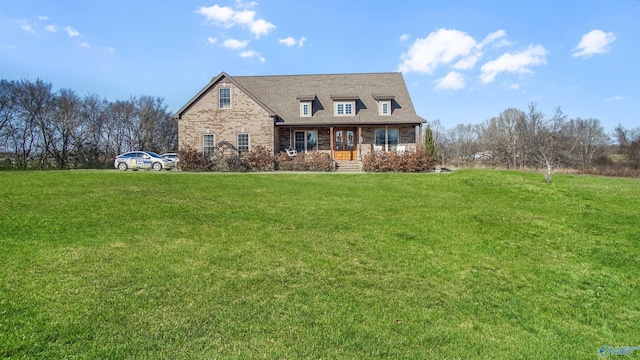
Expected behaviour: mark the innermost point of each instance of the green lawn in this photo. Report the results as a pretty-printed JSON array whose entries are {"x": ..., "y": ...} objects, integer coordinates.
[{"x": 471, "y": 264}]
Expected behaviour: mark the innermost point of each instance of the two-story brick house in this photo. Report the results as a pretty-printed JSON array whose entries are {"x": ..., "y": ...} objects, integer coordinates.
[{"x": 345, "y": 115}]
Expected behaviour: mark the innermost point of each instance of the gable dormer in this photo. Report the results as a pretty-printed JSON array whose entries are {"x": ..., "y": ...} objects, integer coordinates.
[
  {"x": 384, "y": 104},
  {"x": 306, "y": 105},
  {"x": 344, "y": 105}
]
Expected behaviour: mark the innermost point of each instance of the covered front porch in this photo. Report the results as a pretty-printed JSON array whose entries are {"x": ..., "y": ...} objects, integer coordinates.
[{"x": 348, "y": 142}]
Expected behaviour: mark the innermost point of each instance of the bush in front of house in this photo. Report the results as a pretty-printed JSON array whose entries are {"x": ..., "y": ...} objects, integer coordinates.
[
  {"x": 285, "y": 162},
  {"x": 417, "y": 161},
  {"x": 193, "y": 160},
  {"x": 312, "y": 161},
  {"x": 318, "y": 161},
  {"x": 260, "y": 159}
]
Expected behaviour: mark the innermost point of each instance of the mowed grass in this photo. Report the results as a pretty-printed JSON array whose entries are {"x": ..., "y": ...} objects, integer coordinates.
[{"x": 471, "y": 264}]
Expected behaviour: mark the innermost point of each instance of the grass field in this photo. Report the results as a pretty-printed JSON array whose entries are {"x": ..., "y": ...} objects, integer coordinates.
[{"x": 471, "y": 264}]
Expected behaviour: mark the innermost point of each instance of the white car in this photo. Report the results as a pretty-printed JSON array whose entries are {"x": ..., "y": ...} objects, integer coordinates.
[
  {"x": 136, "y": 160},
  {"x": 172, "y": 156}
]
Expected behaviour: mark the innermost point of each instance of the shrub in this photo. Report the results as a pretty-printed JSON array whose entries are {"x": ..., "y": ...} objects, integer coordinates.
[
  {"x": 417, "y": 161},
  {"x": 312, "y": 161},
  {"x": 318, "y": 161},
  {"x": 193, "y": 160},
  {"x": 261, "y": 159},
  {"x": 235, "y": 163},
  {"x": 291, "y": 163}
]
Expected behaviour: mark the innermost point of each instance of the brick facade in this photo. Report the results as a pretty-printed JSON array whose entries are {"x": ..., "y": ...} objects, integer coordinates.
[{"x": 244, "y": 116}]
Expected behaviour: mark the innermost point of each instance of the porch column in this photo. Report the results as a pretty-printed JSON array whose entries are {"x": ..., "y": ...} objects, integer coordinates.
[
  {"x": 331, "y": 141},
  {"x": 359, "y": 143}
]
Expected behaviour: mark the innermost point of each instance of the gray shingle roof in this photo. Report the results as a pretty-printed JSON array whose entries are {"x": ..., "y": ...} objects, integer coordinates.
[{"x": 281, "y": 96}]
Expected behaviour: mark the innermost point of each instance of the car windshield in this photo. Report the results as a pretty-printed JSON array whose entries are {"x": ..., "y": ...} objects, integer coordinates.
[{"x": 153, "y": 154}]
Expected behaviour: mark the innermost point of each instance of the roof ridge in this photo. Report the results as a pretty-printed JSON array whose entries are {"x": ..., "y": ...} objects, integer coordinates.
[{"x": 330, "y": 74}]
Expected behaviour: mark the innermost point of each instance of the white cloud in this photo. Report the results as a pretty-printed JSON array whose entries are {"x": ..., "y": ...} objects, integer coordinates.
[
  {"x": 42, "y": 17},
  {"x": 261, "y": 27},
  {"x": 468, "y": 62},
  {"x": 109, "y": 50},
  {"x": 445, "y": 46},
  {"x": 85, "y": 44},
  {"x": 404, "y": 37},
  {"x": 252, "y": 54},
  {"x": 244, "y": 5},
  {"x": 594, "y": 42},
  {"x": 513, "y": 86},
  {"x": 211, "y": 40},
  {"x": 615, "y": 98},
  {"x": 497, "y": 38},
  {"x": 220, "y": 15},
  {"x": 452, "y": 81},
  {"x": 439, "y": 48},
  {"x": 51, "y": 28},
  {"x": 71, "y": 31},
  {"x": 514, "y": 63},
  {"x": 235, "y": 44},
  {"x": 24, "y": 25},
  {"x": 290, "y": 41},
  {"x": 227, "y": 17}
]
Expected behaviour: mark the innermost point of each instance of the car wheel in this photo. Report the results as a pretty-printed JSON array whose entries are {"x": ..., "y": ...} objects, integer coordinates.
[
  {"x": 122, "y": 166},
  {"x": 157, "y": 166}
]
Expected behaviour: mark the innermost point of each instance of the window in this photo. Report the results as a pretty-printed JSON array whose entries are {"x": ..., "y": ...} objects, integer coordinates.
[
  {"x": 387, "y": 139},
  {"x": 305, "y": 109},
  {"x": 225, "y": 98},
  {"x": 305, "y": 140},
  {"x": 384, "y": 107},
  {"x": 208, "y": 144},
  {"x": 344, "y": 108},
  {"x": 243, "y": 143}
]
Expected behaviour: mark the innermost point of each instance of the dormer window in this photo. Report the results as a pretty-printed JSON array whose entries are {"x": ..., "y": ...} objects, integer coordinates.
[
  {"x": 306, "y": 105},
  {"x": 305, "y": 109},
  {"x": 344, "y": 105},
  {"x": 384, "y": 104},
  {"x": 384, "y": 107},
  {"x": 344, "y": 108}
]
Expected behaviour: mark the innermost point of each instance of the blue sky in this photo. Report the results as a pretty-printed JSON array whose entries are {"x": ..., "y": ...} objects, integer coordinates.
[{"x": 463, "y": 61}]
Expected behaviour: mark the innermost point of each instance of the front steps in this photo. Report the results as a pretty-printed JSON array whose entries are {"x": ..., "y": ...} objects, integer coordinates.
[{"x": 348, "y": 166}]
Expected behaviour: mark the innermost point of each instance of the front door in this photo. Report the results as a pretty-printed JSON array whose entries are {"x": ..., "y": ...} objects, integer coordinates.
[{"x": 345, "y": 144}]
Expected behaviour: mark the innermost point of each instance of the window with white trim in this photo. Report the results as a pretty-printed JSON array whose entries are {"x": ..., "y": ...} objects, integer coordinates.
[
  {"x": 305, "y": 141},
  {"x": 384, "y": 107},
  {"x": 387, "y": 139},
  {"x": 242, "y": 143},
  {"x": 344, "y": 108},
  {"x": 225, "y": 97},
  {"x": 305, "y": 109},
  {"x": 208, "y": 144}
]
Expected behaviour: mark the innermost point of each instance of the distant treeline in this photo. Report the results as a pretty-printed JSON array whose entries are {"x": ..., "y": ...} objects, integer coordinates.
[
  {"x": 42, "y": 129},
  {"x": 516, "y": 139}
]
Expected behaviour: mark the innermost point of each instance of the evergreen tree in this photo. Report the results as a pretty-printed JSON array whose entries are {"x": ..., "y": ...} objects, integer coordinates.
[{"x": 429, "y": 144}]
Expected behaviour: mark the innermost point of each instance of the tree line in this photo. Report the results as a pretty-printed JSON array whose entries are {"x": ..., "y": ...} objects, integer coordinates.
[
  {"x": 516, "y": 139},
  {"x": 43, "y": 129}
]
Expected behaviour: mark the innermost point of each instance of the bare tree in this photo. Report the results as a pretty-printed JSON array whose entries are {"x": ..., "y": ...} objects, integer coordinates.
[
  {"x": 95, "y": 136},
  {"x": 121, "y": 117},
  {"x": 629, "y": 142},
  {"x": 65, "y": 127},
  {"x": 29, "y": 122},
  {"x": 502, "y": 137},
  {"x": 589, "y": 138},
  {"x": 438, "y": 131},
  {"x": 547, "y": 141}
]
